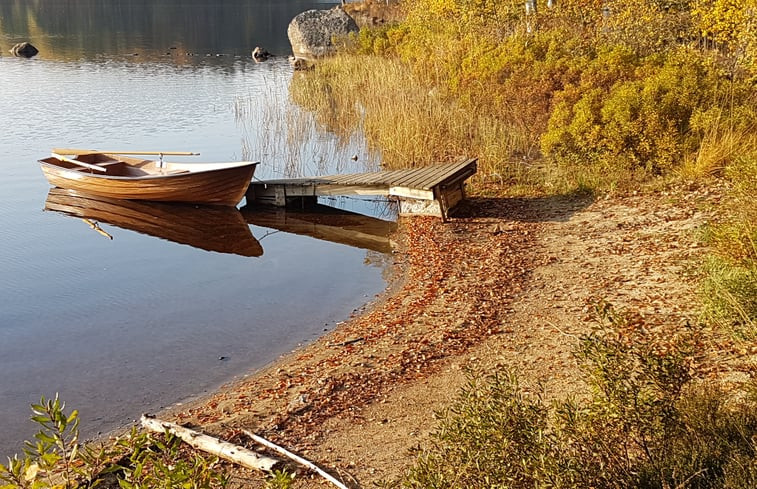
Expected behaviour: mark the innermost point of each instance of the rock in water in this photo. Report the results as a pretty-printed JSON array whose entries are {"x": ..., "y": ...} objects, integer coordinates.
[
  {"x": 259, "y": 54},
  {"x": 24, "y": 49},
  {"x": 301, "y": 64},
  {"x": 311, "y": 32}
]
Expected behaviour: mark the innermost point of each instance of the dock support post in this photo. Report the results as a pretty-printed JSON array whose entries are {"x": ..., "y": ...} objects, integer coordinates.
[{"x": 280, "y": 196}]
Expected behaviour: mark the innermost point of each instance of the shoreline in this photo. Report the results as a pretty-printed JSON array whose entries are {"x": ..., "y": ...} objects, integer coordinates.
[
  {"x": 200, "y": 402},
  {"x": 429, "y": 313},
  {"x": 505, "y": 284}
]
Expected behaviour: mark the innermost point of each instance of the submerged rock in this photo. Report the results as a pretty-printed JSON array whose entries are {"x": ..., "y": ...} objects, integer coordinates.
[
  {"x": 259, "y": 54},
  {"x": 24, "y": 50},
  {"x": 311, "y": 33}
]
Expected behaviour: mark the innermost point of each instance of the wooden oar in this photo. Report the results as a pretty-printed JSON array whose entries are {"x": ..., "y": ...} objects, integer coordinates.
[
  {"x": 79, "y": 163},
  {"x": 72, "y": 151}
]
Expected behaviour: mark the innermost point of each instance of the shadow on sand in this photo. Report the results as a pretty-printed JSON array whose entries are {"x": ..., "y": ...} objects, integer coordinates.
[{"x": 525, "y": 209}]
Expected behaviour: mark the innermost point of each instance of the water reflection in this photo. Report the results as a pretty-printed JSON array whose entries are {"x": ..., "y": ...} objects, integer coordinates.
[
  {"x": 326, "y": 223},
  {"x": 291, "y": 142},
  {"x": 72, "y": 29},
  {"x": 222, "y": 229},
  {"x": 157, "y": 315},
  {"x": 210, "y": 228}
]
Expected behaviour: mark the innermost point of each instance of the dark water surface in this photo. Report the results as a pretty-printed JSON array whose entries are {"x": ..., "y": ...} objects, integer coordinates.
[{"x": 124, "y": 326}]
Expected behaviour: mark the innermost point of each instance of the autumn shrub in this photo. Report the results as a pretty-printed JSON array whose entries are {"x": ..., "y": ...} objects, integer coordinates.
[
  {"x": 588, "y": 94},
  {"x": 650, "y": 421},
  {"x": 633, "y": 117},
  {"x": 730, "y": 28},
  {"x": 381, "y": 40}
]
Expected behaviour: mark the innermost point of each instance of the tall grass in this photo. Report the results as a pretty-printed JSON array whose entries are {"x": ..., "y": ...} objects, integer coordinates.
[
  {"x": 409, "y": 122},
  {"x": 289, "y": 141},
  {"x": 730, "y": 284}
]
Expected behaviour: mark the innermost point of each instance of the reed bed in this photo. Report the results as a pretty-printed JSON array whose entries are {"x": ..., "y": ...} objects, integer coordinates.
[
  {"x": 411, "y": 124},
  {"x": 289, "y": 140}
]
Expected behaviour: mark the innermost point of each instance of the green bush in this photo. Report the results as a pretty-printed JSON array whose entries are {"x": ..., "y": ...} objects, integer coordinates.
[
  {"x": 634, "y": 116},
  {"x": 730, "y": 280},
  {"x": 493, "y": 435},
  {"x": 56, "y": 459},
  {"x": 651, "y": 421}
]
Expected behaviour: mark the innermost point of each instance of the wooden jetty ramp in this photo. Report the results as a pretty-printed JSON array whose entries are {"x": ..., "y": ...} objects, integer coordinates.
[{"x": 431, "y": 190}]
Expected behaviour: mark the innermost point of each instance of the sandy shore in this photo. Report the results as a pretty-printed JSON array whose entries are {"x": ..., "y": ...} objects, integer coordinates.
[{"x": 508, "y": 283}]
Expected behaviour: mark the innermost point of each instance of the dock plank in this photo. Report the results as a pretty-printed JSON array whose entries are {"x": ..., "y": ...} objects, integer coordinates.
[
  {"x": 426, "y": 184},
  {"x": 429, "y": 178}
]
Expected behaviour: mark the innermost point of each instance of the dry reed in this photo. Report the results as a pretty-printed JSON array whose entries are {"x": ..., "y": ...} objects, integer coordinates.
[{"x": 411, "y": 124}]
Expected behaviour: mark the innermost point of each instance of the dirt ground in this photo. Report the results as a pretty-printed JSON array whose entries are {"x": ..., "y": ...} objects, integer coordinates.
[{"x": 506, "y": 283}]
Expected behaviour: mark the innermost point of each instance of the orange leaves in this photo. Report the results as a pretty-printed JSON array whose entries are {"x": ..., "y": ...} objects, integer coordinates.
[
  {"x": 456, "y": 287},
  {"x": 459, "y": 280}
]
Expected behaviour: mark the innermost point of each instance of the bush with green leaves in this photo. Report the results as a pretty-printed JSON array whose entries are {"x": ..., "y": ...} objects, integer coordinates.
[
  {"x": 730, "y": 280},
  {"x": 280, "y": 479},
  {"x": 651, "y": 421},
  {"x": 57, "y": 459}
]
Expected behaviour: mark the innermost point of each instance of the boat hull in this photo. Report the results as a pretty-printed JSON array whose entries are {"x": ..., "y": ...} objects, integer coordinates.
[{"x": 224, "y": 185}]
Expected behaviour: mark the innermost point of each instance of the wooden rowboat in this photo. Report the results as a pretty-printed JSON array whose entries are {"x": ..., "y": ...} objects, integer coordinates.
[
  {"x": 116, "y": 176},
  {"x": 211, "y": 228}
]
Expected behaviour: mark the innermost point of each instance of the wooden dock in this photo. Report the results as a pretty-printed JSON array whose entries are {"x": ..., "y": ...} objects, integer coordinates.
[{"x": 431, "y": 190}]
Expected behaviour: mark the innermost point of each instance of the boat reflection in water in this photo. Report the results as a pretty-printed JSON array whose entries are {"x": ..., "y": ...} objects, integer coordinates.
[
  {"x": 326, "y": 223},
  {"x": 210, "y": 228}
]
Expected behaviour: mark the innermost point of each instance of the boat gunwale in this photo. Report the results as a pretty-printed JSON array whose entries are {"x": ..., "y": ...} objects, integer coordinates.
[{"x": 231, "y": 166}]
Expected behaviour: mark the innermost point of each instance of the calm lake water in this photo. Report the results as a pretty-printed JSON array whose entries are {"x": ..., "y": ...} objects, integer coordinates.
[{"x": 124, "y": 326}]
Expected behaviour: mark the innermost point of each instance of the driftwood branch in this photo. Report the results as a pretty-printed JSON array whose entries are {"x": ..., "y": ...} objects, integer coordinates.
[
  {"x": 296, "y": 458},
  {"x": 228, "y": 451}
]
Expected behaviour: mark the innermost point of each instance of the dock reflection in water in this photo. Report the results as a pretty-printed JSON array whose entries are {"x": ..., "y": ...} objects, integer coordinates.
[
  {"x": 210, "y": 228},
  {"x": 326, "y": 223}
]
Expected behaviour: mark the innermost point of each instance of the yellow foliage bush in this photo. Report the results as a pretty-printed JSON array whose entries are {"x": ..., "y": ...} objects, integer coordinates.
[{"x": 731, "y": 24}]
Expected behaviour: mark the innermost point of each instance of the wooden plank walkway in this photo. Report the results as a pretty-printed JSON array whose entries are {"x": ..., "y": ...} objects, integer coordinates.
[{"x": 443, "y": 184}]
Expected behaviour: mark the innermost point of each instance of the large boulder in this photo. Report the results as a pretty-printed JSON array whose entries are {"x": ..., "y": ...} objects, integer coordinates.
[
  {"x": 311, "y": 32},
  {"x": 24, "y": 49}
]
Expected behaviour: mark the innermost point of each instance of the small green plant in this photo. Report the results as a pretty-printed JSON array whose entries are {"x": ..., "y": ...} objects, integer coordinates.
[
  {"x": 279, "y": 479},
  {"x": 53, "y": 454},
  {"x": 158, "y": 462},
  {"x": 57, "y": 460}
]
